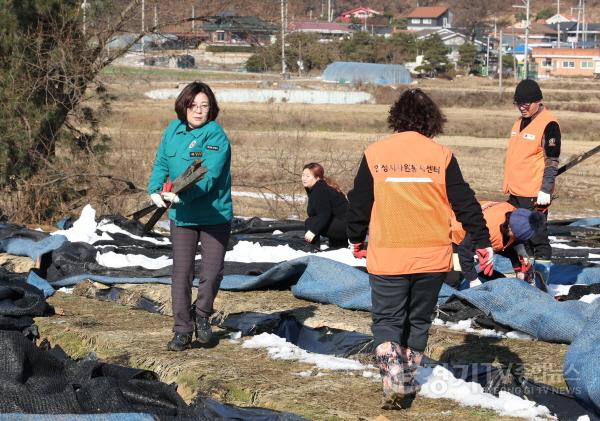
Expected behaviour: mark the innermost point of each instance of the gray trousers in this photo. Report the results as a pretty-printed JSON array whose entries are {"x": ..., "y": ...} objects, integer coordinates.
[
  {"x": 402, "y": 307},
  {"x": 213, "y": 244}
]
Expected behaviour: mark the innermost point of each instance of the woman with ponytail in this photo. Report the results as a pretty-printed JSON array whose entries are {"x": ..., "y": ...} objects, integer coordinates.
[{"x": 326, "y": 208}]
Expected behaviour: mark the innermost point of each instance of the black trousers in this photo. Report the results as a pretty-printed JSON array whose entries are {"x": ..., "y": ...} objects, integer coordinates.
[
  {"x": 213, "y": 244},
  {"x": 539, "y": 245},
  {"x": 402, "y": 307}
]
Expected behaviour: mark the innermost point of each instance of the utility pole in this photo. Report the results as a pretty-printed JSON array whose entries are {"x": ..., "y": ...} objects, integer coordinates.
[
  {"x": 500, "y": 89},
  {"x": 578, "y": 19},
  {"x": 155, "y": 15},
  {"x": 558, "y": 24},
  {"x": 283, "y": 68},
  {"x": 193, "y": 18},
  {"x": 328, "y": 10},
  {"x": 487, "y": 56},
  {"x": 84, "y": 6},
  {"x": 526, "y": 7},
  {"x": 143, "y": 23}
]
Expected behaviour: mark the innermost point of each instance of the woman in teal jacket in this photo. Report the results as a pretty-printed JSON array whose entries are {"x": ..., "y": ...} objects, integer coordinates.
[{"x": 201, "y": 213}]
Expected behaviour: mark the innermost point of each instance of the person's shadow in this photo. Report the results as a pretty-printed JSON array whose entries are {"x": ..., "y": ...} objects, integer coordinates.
[{"x": 483, "y": 360}]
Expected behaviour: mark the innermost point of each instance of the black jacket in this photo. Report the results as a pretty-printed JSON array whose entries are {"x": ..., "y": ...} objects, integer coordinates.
[{"x": 326, "y": 211}]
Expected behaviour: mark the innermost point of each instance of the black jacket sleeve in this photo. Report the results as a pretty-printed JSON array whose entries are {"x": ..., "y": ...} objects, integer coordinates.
[
  {"x": 466, "y": 253},
  {"x": 465, "y": 206},
  {"x": 552, "y": 138},
  {"x": 319, "y": 209},
  {"x": 360, "y": 199}
]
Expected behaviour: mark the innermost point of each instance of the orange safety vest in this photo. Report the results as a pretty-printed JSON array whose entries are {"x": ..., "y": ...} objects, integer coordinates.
[
  {"x": 524, "y": 165},
  {"x": 409, "y": 230},
  {"x": 494, "y": 214}
]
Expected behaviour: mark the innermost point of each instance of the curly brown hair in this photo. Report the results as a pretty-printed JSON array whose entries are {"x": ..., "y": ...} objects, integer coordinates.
[{"x": 415, "y": 111}]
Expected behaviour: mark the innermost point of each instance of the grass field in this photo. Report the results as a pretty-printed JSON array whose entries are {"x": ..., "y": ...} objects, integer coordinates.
[{"x": 271, "y": 142}]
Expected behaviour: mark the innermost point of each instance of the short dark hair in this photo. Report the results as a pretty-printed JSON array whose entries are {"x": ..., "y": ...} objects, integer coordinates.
[
  {"x": 186, "y": 98},
  {"x": 415, "y": 111}
]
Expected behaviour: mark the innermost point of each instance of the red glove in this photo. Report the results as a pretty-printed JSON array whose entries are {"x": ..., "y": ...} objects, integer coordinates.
[
  {"x": 523, "y": 272},
  {"x": 486, "y": 260},
  {"x": 359, "y": 250}
]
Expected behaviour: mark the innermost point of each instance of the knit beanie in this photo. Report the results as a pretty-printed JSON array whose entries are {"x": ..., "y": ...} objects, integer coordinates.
[
  {"x": 528, "y": 91},
  {"x": 525, "y": 223}
]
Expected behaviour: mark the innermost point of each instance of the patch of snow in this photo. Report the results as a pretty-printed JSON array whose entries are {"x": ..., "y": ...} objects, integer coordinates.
[
  {"x": 84, "y": 228},
  {"x": 465, "y": 326},
  {"x": 117, "y": 260},
  {"x": 270, "y": 196},
  {"x": 280, "y": 349},
  {"x": 105, "y": 226},
  {"x": 590, "y": 298},
  {"x": 565, "y": 246},
  {"x": 438, "y": 383},
  {"x": 249, "y": 252},
  {"x": 66, "y": 290},
  {"x": 557, "y": 289}
]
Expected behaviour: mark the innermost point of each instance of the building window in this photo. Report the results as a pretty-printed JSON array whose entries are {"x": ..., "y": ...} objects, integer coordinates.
[
  {"x": 568, "y": 64},
  {"x": 220, "y": 36},
  {"x": 427, "y": 21},
  {"x": 415, "y": 21},
  {"x": 587, "y": 64},
  {"x": 547, "y": 62}
]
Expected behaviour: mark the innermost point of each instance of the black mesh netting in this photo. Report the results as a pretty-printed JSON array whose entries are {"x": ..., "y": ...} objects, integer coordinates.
[{"x": 42, "y": 380}]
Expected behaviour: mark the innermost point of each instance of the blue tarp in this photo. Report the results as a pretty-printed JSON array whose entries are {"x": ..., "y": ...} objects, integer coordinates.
[
  {"x": 509, "y": 301},
  {"x": 31, "y": 248}
]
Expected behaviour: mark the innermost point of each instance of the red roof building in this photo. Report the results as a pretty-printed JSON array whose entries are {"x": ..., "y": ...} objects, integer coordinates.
[
  {"x": 358, "y": 13},
  {"x": 433, "y": 17}
]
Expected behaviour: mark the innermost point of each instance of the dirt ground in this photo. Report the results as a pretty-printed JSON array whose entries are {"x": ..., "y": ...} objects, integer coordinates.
[{"x": 247, "y": 377}]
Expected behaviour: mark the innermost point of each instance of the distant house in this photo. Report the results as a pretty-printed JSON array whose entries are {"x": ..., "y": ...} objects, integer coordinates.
[
  {"x": 357, "y": 14},
  {"x": 238, "y": 30},
  {"x": 540, "y": 35},
  {"x": 435, "y": 17},
  {"x": 580, "y": 62},
  {"x": 586, "y": 35},
  {"x": 327, "y": 31},
  {"x": 451, "y": 39},
  {"x": 560, "y": 18}
]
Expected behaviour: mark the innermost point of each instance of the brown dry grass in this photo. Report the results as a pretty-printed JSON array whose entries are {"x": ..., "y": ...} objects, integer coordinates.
[{"x": 271, "y": 142}]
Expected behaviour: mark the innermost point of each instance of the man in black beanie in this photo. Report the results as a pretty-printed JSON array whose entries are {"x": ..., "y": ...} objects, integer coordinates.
[{"x": 531, "y": 162}]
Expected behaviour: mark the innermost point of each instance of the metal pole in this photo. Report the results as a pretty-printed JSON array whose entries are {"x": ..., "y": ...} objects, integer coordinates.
[
  {"x": 84, "y": 7},
  {"x": 487, "y": 56},
  {"x": 558, "y": 24},
  {"x": 527, "y": 43},
  {"x": 500, "y": 65},
  {"x": 143, "y": 23},
  {"x": 156, "y": 16},
  {"x": 328, "y": 10},
  {"x": 193, "y": 17},
  {"x": 283, "y": 69}
]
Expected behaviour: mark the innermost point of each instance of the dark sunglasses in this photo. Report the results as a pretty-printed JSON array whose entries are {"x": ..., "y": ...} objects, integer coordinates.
[{"x": 523, "y": 105}]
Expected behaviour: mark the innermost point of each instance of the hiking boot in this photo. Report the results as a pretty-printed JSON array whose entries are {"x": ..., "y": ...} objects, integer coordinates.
[
  {"x": 397, "y": 376},
  {"x": 203, "y": 330},
  {"x": 180, "y": 342}
]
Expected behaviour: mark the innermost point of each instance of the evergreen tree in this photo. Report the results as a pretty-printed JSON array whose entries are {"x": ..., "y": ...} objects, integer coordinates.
[
  {"x": 468, "y": 55},
  {"x": 435, "y": 55}
]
